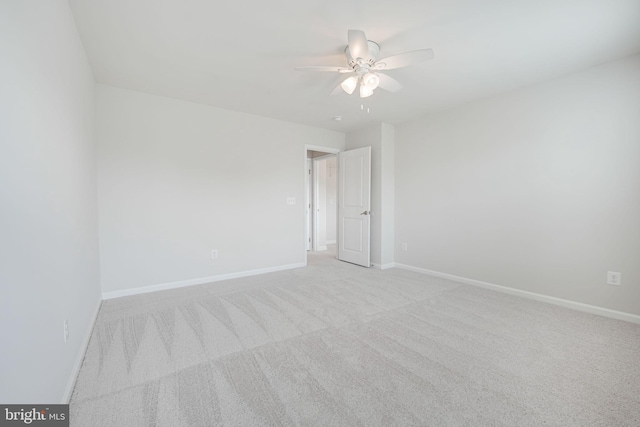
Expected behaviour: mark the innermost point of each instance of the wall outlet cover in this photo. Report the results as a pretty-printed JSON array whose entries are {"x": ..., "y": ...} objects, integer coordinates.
[{"x": 614, "y": 278}]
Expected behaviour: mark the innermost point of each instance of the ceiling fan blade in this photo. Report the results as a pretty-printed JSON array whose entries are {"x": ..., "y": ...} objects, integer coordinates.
[
  {"x": 388, "y": 83},
  {"x": 358, "y": 45},
  {"x": 404, "y": 59},
  {"x": 325, "y": 68}
]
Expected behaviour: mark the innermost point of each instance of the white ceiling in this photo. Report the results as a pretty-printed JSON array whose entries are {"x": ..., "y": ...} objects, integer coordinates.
[{"x": 240, "y": 55}]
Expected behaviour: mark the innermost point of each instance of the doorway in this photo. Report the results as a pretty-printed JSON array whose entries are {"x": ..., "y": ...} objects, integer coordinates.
[
  {"x": 338, "y": 208},
  {"x": 321, "y": 201}
]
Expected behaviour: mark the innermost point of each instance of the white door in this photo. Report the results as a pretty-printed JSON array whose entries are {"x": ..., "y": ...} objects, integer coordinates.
[{"x": 354, "y": 205}]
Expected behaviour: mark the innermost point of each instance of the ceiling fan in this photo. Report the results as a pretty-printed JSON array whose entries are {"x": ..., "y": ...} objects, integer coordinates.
[{"x": 365, "y": 67}]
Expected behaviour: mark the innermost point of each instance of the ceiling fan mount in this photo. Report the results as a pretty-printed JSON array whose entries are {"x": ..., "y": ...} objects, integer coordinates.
[
  {"x": 363, "y": 64},
  {"x": 374, "y": 51}
]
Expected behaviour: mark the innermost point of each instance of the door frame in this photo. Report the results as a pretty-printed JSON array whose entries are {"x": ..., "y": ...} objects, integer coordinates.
[{"x": 331, "y": 151}]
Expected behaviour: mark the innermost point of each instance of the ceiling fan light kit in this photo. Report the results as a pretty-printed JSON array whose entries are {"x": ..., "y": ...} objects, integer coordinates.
[
  {"x": 365, "y": 91},
  {"x": 349, "y": 84},
  {"x": 371, "y": 80},
  {"x": 362, "y": 60}
]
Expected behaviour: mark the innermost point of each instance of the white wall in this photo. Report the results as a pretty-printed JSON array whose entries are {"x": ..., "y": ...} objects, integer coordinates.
[
  {"x": 380, "y": 136},
  {"x": 48, "y": 218},
  {"x": 178, "y": 179},
  {"x": 537, "y": 189},
  {"x": 387, "y": 195}
]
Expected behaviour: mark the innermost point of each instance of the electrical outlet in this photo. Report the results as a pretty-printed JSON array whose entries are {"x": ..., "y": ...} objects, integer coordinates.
[
  {"x": 404, "y": 246},
  {"x": 214, "y": 254},
  {"x": 614, "y": 278},
  {"x": 66, "y": 330}
]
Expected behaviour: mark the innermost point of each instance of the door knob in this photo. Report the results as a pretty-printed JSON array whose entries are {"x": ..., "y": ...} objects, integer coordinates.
[{"x": 365, "y": 213}]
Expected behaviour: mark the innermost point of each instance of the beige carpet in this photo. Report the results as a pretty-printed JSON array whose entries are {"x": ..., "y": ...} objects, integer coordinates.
[{"x": 339, "y": 345}]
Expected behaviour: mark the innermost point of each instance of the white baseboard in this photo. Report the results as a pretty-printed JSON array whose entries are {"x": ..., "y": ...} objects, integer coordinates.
[
  {"x": 322, "y": 248},
  {"x": 331, "y": 242},
  {"x": 197, "y": 281},
  {"x": 601, "y": 311},
  {"x": 383, "y": 266},
  {"x": 80, "y": 358}
]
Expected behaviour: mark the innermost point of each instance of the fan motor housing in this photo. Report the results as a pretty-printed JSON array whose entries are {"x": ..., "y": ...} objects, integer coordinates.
[{"x": 374, "y": 50}]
